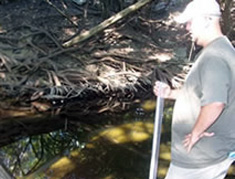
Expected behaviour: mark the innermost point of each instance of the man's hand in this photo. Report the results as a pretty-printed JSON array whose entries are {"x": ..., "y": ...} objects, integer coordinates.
[
  {"x": 190, "y": 140},
  {"x": 164, "y": 90},
  {"x": 161, "y": 89}
]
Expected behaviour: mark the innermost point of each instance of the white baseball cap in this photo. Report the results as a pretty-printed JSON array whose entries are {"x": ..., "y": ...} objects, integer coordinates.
[{"x": 197, "y": 8}]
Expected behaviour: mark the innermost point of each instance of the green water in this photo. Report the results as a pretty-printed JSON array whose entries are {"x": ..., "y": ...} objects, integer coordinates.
[{"x": 116, "y": 146}]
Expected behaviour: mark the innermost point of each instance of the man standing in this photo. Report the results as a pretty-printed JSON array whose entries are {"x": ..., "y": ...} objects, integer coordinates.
[{"x": 203, "y": 124}]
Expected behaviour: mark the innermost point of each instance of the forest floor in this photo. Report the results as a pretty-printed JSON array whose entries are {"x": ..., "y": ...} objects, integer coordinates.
[{"x": 113, "y": 67}]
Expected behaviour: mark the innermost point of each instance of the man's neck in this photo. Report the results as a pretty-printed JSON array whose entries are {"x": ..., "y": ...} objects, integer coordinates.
[{"x": 210, "y": 38}]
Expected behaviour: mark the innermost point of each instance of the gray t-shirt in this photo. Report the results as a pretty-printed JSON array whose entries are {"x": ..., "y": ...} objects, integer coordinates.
[{"x": 211, "y": 79}]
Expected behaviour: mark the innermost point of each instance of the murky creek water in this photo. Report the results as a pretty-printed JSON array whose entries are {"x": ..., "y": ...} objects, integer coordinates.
[{"x": 108, "y": 147}]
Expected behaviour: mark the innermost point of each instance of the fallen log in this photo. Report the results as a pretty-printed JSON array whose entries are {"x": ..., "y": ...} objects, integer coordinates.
[
  {"x": 87, "y": 34},
  {"x": 4, "y": 173}
]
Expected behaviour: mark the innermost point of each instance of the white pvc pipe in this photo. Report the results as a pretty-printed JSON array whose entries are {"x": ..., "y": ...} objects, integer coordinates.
[{"x": 156, "y": 138}]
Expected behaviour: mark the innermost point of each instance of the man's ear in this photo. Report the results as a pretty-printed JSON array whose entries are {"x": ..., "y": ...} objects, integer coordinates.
[{"x": 207, "y": 21}]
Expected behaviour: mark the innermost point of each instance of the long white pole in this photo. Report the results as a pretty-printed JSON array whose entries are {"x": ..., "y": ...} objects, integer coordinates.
[{"x": 156, "y": 138}]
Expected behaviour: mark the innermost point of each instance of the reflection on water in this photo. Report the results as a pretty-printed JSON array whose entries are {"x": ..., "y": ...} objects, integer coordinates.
[
  {"x": 126, "y": 133},
  {"x": 116, "y": 147}
]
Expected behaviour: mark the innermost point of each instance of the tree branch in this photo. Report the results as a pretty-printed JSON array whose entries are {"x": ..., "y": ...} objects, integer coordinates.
[{"x": 87, "y": 34}]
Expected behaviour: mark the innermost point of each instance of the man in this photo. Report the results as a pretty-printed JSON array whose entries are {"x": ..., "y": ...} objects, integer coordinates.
[{"x": 203, "y": 124}]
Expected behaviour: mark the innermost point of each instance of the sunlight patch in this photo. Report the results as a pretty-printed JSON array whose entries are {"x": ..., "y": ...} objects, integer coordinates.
[
  {"x": 162, "y": 57},
  {"x": 131, "y": 132},
  {"x": 62, "y": 167}
]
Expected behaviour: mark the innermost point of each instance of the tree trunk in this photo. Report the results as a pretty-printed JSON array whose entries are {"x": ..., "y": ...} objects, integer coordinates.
[
  {"x": 229, "y": 18},
  {"x": 87, "y": 34}
]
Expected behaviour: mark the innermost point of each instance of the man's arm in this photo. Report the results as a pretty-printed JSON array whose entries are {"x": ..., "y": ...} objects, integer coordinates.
[{"x": 208, "y": 115}]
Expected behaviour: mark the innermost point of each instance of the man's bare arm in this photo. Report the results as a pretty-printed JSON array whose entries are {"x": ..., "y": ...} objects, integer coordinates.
[{"x": 208, "y": 115}]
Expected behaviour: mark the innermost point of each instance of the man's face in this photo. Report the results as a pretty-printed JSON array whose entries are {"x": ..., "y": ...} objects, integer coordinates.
[{"x": 196, "y": 27}]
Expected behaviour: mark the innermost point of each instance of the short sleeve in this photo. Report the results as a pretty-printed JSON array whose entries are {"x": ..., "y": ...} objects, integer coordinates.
[{"x": 215, "y": 77}]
